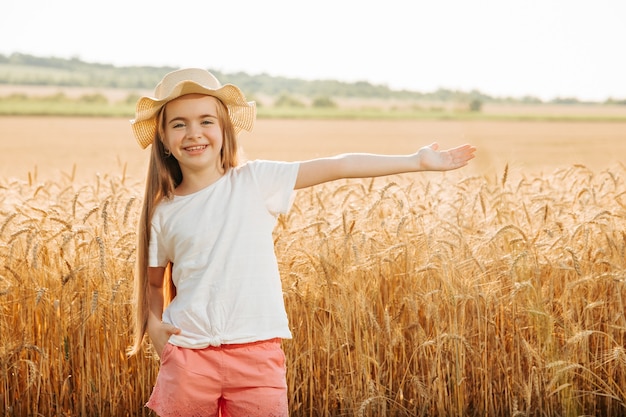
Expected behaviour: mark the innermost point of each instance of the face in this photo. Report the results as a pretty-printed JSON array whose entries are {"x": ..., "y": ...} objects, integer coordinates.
[{"x": 193, "y": 134}]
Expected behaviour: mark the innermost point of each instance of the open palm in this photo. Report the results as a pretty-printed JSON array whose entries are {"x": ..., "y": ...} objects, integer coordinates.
[{"x": 432, "y": 159}]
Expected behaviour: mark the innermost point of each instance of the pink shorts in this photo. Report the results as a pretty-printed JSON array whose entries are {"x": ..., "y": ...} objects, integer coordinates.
[{"x": 229, "y": 381}]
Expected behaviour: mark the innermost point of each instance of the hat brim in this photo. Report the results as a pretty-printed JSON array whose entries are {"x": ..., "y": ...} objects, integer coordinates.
[{"x": 242, "y": 113}]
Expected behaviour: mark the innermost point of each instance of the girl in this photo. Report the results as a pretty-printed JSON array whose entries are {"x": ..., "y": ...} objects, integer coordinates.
[{"x": 208, "y": 291}]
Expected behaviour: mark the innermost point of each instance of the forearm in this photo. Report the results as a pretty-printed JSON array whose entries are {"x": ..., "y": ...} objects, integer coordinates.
[
  {"x": 362, "y": 165},
  {"x": 155, "y": 303},
  {"x": 354, "y": 165}
]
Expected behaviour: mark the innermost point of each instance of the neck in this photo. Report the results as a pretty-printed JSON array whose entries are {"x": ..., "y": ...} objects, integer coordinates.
[{"x": 197, "y": 180}]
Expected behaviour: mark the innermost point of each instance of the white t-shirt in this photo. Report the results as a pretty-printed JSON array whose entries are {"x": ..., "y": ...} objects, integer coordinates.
[{"x": 220, "y": 242}]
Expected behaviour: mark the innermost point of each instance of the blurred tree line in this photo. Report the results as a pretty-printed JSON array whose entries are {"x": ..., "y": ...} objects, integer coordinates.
[{"x": 24, "y": 69}]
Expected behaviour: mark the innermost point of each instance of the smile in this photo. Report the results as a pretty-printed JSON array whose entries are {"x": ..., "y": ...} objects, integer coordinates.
[{"x": 195, "y": 148}]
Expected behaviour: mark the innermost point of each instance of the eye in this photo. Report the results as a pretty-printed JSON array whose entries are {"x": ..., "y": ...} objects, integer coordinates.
[
  {"x": 178, "y": 125},
  {"x": 207, "y": 122}
]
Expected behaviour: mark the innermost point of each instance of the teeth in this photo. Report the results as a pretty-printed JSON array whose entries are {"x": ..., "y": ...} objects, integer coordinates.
[{"x": 195, "y": 148}]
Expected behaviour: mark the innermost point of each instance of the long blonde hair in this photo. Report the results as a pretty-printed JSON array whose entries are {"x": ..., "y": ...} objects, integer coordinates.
[{"x": 164, "y": 175}]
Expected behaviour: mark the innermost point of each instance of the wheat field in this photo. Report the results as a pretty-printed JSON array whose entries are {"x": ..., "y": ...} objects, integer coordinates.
[{"x": 494, "y": 290}]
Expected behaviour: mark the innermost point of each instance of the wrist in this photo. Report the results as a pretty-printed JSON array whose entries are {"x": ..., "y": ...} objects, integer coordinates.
[{"x": 417, "y": 161}]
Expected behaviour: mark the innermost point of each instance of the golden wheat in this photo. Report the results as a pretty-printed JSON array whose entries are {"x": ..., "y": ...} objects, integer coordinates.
[{"x": 407, "y": 296}]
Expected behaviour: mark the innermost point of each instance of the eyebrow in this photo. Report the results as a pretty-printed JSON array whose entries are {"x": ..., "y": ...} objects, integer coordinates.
[{"x": 184, "y": 119}]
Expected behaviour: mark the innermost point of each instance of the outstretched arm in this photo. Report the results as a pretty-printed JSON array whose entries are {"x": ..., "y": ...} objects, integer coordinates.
[{"x": 355, "y": 165}]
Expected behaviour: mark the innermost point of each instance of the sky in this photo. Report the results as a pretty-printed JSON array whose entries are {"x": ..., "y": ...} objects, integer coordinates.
[{"x": 541, "y": 48}]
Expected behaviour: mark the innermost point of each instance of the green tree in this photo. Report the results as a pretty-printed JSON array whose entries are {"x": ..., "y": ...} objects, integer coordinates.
[
  {"x": 323, "y": 102},
  {"x": 285, "y": 100},
  {"x": 475, "y": 105}
]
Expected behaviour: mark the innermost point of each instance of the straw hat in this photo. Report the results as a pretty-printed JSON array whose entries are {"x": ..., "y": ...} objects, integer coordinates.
[{"x": 188, "y": 81}]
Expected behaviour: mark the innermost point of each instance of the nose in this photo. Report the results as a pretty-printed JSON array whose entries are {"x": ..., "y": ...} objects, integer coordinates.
[{"x": 194, "y": 130}]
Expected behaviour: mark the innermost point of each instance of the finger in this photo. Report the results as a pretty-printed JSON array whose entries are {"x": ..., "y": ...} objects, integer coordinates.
[
  {"x": 464, "y": 148},
  {"x": 464, "y": 151},
  {"x": 172, "y": 329}
]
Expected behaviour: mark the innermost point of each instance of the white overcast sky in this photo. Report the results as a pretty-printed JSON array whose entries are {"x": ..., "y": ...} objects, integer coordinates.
[{"x": 544, "y": 48}]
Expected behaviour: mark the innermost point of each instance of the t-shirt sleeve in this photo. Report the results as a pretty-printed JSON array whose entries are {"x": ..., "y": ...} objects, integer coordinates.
[
  {"x": 156, "y": 251},
  {"x": 276, "y": 181}
]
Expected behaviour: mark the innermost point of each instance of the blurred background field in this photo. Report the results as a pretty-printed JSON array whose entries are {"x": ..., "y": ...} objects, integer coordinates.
[{"x": 47, "y": 147}]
